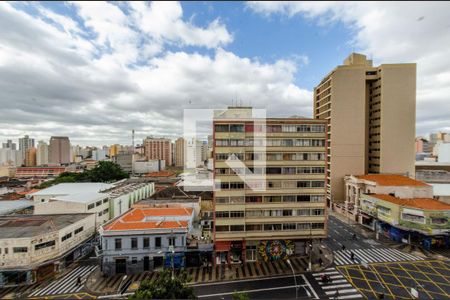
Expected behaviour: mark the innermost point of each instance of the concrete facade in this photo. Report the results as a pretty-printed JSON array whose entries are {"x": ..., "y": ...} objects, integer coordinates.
[
  {"x": 371, "y": 113},
  {"x": 158, "y": 148},
  {"x": 59, "y": 150}
]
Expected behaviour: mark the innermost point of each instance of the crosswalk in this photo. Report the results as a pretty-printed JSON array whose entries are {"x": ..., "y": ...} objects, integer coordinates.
[
  {"x": 66, "y": 284},
  {"x": 343, "y": 257},
  {"x": 338, "y": 288}
]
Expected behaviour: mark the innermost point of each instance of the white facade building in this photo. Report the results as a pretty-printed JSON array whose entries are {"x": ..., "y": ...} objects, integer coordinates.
[
  {"x": 443, "y": 152},
  {"x": 42, "y": 153},
  {"x": 148, "y": 166}
]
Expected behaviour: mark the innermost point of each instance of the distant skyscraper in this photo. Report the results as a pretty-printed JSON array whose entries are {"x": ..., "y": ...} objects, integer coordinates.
[
  {"x": 59, "y": 150},
  {"x": 42, "y": 153},
  {"x": 24, "y": 144},
  {"x": 30, "y": 159},
  {"x": 180, "y": 146},
  {"x": 158, "y": 148},
  {"x": 9, "y": 145}
]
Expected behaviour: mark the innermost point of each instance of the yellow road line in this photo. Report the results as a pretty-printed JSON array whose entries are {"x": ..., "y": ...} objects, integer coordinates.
[
  {"x": 415, "y": 281},
  {"x": 431, "y": 280},
  {"x": 385, "y": 284},
  {"x": 350, "y": 280},
  {"x": 368, "y": 283}
]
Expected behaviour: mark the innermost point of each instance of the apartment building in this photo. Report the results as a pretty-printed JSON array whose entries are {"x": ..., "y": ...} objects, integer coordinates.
[
  {"x": 180, "y": 146},
  {"x": 276, "y": 198},
  {"x": 42, "y": 153},
  {"x": 32, "y": 247},
  {"x": 59, "y": 150},
  {"x": 24, "y": 144},
  {"x": 372, "y": 115},
  {"x": 30, "y": 159},
  {"x": 158, "y": 148}
]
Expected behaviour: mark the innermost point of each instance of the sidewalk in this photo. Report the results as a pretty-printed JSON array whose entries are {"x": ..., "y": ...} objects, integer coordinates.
[{"x": 101, "y": 285}]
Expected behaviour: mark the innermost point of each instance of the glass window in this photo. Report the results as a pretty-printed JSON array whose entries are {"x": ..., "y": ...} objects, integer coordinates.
[
  {"x": 20, "y": 249},
  {"x": 236, "y": 128},
  {"x": 146, "y": 242},
  {"x": 91, "y": 206},
  {"x": 222, "y": 228},
  {"x": 303, "y": 184},
  {"x": 289, "y": 198},
  {"x": 237, "y": 228},
  {"x": 134, "y": 243},
  {"x": 317, "y": 225},
  {"x": 98, "y": 203},
  {"x": 289, "y": 226},
  {"x": 171, "y": 241},
  {"x": 303, "y": 198},
  {"x": 67, "y": 236},
  {"x": 158, "y": 242},
  {"x": 317, "y": 212},
  {"x": 78, "y": 230},
  {"x": 303, "y": 212},
  {"x": 287, "y": 213},
  {"x": 118, "y": 244},
  {"x": 221, "y": 128},
  {"x": 317, "y": 184}
]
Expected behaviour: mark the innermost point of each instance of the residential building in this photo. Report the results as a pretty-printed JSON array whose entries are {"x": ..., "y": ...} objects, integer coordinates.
[
  {"x": 42, "y": 154},
  {"x": 11, "y": 157},
  {"x": 193, "y": 154},
  {"x": 59, "y": 150},
  {"x": 34, "y": 247},
  {"x": 30, "y": 159},
  {"x": 443, "y": 152},
  {"x": 441, "y": 192},
  {"x": 10, "y": 145},
  {"x": 372, "y": 116},
  {"x": 25, "y": 143},
  {"x": 158, "y": 148},
  {"x": 422, "y": 220},
  {"x": 99, "y": 154},
  {"x": 269, "y": 188},
  {"x": 145, "y": 238},
  {"x": 114, "y": 150},
  {"x": 423, "y": 146},
  {"x": 388, "y": 184},
  {"x": 180, "y": 146}
]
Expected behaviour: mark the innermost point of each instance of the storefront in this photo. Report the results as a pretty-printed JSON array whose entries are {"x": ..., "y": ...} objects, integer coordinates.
[{"x": 222, "y": 249}]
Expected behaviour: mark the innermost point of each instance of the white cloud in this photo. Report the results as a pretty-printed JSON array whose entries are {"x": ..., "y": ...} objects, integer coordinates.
[
  {"x": 392, "y": 32},
  {"x": 56, "y": 81}
]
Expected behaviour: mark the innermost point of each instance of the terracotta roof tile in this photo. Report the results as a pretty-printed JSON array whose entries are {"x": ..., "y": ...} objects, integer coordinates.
[
  {"x": 421, "y": 203},
  {"x": 392, "y": 180}
]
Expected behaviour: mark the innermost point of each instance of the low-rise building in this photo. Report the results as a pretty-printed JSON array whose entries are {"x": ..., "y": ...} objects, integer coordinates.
[
  {"x": 145, "y": 238},
  {"x": 424, "y": 220},
  {"x": 66, "y": 189},
  {"x": 30, "y": 172},
  {"x": 34, "y": 247},
  {"x": 148, "y": 166},
  {"x": 441, "y": 192},
  {"x": 388, "y": 184}
]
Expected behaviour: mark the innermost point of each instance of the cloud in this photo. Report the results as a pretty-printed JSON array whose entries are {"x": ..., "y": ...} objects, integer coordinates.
[
  {"x": 391, "y": 32},
  {"x": 104, "y": 69}
]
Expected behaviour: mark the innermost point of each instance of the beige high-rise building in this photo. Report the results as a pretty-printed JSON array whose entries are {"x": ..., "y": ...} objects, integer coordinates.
[
  {"x": 30, "y": 158},
  {"x": 42, "y": 153},
  {"x": 59, "y": 150},
  {"x": 372, "y": 116},
  {"x": 281, "y": 206},
  {"x": 158, "y": 148},
  {"x": 180, "y": 146}
]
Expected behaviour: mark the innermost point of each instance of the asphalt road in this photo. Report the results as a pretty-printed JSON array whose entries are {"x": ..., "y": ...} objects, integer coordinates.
[
  {"x": 265, "y": 288},
  {"x": 341, "y": 233}
]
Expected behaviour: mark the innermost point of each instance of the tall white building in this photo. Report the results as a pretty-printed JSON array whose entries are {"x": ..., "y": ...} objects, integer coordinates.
[
  {"x": 11, "y": 157},
  {"x": 42, "y": 153},
  {"x": 193, "y": 154},
  {"x": 9, "y": 144}
]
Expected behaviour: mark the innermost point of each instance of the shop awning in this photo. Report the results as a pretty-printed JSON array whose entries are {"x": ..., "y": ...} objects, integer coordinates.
[{"x": 222, "y": 245}]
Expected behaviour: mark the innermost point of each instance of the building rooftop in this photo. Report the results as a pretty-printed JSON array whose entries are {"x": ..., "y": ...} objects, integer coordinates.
[
  {"x": 421, "y": 203},
  {"x": 8, "y": 207},
  {"x": 22, "y": 226},
  {"x": 83, "y": 197},
  {"x": 74, "y": 188},
  {"x": 124, "y": 187},
  {"x": 391, "y": 180},
  {"x": 139, "y": 218},
  {"x": 441, "y": 189}
]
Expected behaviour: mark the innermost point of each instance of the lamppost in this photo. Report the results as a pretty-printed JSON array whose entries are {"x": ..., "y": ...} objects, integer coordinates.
[{"x": 295, "y": 278}]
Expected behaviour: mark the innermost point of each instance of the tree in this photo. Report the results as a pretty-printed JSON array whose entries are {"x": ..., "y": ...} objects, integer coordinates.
[
  {"x": 164, "y": 287},
  {"x": 240, "y": 295}
]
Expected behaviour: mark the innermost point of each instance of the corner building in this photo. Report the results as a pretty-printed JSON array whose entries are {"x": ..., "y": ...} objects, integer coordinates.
[
  {"x": 278, "y": 220},
  {"x": 372, "y": 117}
]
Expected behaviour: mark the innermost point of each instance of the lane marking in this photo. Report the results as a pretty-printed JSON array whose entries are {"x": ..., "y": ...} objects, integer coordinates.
[{"x": 310, "y": 286}]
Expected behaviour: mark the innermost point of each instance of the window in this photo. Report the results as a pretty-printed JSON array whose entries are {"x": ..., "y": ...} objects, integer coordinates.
[
  {"x": 221, "y": 128},
  {"x": 317, "y": 226},
  {"x": 287, "y": 213},
  {"x": 134, "y": 243},
  {"x": 289, "y": 198},
  {"x": 91, "y": 206},
  {"x": 273, "y": 128},
  {"x": 272, "y": 199},
  {"x": 317, "y": 198},
  {"x": 272, "y": 227},
  {"x": 236, "y": 185},
  {"x": 318, "y": 170},
  {"x": 134, "y": 260},
  {"x": 303, "y": 198},
  {"x": 67, "y": 236},
  {"x": 221, "y": 143},
  {"x": 236, "y": 128},
  {"x": 439, "y": 221},
  {"x": 146, "y": 242},
  {"x": 78, "y": 230},
  {"x": 118, "y": 244},
  {"x": 171, "y": 241},
  {"x": 317, "y": 184},
  {"x": 100, "y": 214},
  {"x": 105, "y": 200},
  {"x": 253, "y": 227},
  {"x": 222, "y": 214},
  {"x": 237, "y": 214},
  {"x": 238, "y": 199},
  {"x": 222, "y": 200},
  {"x": 237, "y": 228},
  {"x": 253, "y": 213},
  {"x": 317, "y": 212},
  {"x": 236, "y": 143},
  {"x": 303, "y": 226},
  {"x": 98, "y": 203},
  {"x": 303, "y": 170},
  {"x": 44, "y": 245},
  {"x": 221, "y": 156},
  {"x": 289, "y": 226},
  {"x": 105, "y": 211},
  {"x": 303, "y": 184},
  {"x": 253, "y": 199},
  {"x": 157, "y": 242},
  {"x": 222, "y": 228},
  {"x": 6, "y": 250},
  {"x": 413, "y": 218},
  {"x": 20, "y": 249},
  {"x": 303, "y": 212}
]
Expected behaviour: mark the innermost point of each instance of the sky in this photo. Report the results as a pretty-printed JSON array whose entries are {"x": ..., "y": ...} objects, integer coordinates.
[{"x": 94, "y": 71}]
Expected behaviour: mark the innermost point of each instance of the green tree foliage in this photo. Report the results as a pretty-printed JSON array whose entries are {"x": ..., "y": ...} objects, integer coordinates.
[
  {"x": 164, "y": 287},
  {"x": 240, "y": 296},
  {"x": 105, "y": 171}
]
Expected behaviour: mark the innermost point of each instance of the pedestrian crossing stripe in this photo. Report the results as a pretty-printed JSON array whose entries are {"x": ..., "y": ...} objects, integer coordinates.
[
  {"x": 338, "y": 288},
  {"x": 67, "y": 284},
  {"x": 343, "y": 257}
]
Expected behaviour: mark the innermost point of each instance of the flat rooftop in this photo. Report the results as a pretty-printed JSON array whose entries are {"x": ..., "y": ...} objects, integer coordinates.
[
  {"x": 22, "y": 226},
  {"x": 74, "y": 188}
]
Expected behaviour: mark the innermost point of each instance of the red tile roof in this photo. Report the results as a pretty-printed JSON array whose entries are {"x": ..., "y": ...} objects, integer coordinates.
[
  {"x": 392, "y": 180},
  {"x": 134, "y": 219},
  {"x": 421, "y": 203}
]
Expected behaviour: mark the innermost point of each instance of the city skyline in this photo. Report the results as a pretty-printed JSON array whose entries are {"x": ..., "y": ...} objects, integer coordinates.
[{"x": 120, "y": 73}]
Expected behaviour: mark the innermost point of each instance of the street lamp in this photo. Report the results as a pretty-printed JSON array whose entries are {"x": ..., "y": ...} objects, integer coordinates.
[{"x": 295, "y": 278}]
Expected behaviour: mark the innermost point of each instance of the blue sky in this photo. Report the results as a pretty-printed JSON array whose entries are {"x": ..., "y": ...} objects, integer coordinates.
[{"x": 94, "y": 71}]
